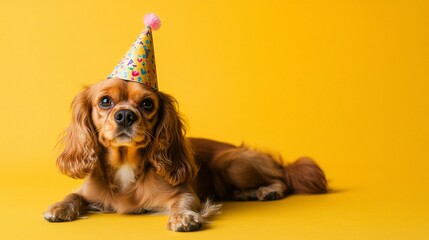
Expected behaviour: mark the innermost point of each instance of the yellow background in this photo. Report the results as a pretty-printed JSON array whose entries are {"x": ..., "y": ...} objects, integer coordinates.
[{"x": 345, "y": 82}]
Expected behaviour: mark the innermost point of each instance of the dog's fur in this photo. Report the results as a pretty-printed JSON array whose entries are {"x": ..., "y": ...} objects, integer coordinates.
[{"x": 132, "y": 151}]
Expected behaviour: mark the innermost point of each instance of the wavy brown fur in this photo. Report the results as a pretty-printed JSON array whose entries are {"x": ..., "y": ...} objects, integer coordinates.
[{"x": 241, "y": 173}]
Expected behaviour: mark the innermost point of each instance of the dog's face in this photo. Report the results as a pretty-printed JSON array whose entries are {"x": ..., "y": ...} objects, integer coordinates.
[
  {"x": 117, "y": 113},
  {"x": 123, "y": 112}
]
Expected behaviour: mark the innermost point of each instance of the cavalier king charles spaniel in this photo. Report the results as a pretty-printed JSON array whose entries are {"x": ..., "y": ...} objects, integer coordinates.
[{"x": 128, "y": 142}]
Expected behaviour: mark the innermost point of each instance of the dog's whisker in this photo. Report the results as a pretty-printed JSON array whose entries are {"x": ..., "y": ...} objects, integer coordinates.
[
  {"x": 149, "y": 134},
  {"x": 149, "y": 137}
]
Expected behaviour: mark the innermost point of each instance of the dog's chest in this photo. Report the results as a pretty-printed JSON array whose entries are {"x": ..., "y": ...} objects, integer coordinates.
[{"x": 125, "y": 175}]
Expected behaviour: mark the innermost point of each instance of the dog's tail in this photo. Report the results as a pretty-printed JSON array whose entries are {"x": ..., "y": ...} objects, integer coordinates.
[
  {"x": 210, "y": 209},
  {"x": 304, "y": 176}
]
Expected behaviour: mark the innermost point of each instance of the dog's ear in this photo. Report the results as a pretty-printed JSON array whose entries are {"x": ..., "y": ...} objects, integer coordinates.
[
  {"x": 80, "y": 141},
  {"x": 171, "y": 153}
]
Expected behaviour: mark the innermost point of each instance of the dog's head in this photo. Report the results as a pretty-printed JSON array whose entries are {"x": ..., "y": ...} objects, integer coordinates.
[
  {"x": 124, "y": 113},
  {"x": 116, "y": 113}
]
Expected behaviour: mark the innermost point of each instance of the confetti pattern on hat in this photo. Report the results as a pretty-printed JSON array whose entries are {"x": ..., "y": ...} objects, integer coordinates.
[{"x": 138, "y": 64}]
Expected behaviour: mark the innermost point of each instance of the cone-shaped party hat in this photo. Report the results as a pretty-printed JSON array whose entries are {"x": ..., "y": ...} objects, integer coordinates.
[{"x": 138, "y": 64}]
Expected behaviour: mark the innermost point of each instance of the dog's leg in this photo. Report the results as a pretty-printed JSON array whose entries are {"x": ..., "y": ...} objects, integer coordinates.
[
  {"x": 253, "y": 175},
  {"x": 183, "y": 213},
  {"x": 274, "y": 191},
  {"x": 73, "y": 206}
]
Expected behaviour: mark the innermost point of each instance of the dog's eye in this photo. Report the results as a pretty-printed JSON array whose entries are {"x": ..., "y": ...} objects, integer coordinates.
[
  {"x": 106, "y": 102},
  {"x": 147, "y": 104}
]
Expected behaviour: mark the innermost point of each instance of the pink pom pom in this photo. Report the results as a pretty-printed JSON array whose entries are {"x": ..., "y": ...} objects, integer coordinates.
[{"x": 152, "y": 21}]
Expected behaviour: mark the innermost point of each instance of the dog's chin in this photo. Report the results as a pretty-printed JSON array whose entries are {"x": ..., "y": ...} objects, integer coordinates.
[
  {"x": 123, "y": 142},
  {"x": 127, "y": 141}
]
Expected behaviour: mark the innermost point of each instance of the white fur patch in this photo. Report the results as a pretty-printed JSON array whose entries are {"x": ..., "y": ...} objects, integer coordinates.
[{"x": 125, "y": 175}]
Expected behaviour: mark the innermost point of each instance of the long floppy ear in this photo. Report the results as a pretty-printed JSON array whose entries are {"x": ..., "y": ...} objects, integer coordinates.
[
  {"x": 80, "y": 141},
  {"x": 171, "y": 153}
]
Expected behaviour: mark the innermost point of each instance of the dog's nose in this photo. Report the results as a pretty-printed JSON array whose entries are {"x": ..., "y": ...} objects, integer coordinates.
[{"x": 125, "y": 117}]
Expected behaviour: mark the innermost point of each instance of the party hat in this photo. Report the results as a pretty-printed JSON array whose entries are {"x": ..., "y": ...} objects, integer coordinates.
[{"x": 138, "y": 64}]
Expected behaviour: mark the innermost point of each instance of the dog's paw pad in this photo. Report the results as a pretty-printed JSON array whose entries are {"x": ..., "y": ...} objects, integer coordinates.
[
  {"x": 271, "y": 196},
  {"x": 268, "y": 194}
]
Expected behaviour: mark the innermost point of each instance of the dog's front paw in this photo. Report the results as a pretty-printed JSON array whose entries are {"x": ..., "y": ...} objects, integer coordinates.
[
  {"x": 185, "y": 221},
  {"x": 61, "y": 212}
]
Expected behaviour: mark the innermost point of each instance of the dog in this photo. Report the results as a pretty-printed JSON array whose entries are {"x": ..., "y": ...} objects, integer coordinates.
[{"x": 128, "y": 141}]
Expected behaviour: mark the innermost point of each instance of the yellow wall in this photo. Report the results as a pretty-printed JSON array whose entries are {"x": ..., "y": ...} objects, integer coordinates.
[{"x": 346, "y": 82}]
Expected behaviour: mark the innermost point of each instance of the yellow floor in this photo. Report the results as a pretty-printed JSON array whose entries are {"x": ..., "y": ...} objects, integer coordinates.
[
  {"x": 358, "y": 208},
  {"x": 345, "y": 82}
]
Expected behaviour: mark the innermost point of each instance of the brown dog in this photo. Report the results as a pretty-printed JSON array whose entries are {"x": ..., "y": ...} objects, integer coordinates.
[{"x": 128, "y": 142}]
